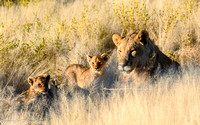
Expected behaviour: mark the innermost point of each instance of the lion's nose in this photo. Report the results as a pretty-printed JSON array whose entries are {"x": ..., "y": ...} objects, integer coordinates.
[
  {"x": 46, "y": 89},
  {"x": 97, "y": 67},
  {"x": 124, "y": 63},
  {"x": 121, "y": 67}
]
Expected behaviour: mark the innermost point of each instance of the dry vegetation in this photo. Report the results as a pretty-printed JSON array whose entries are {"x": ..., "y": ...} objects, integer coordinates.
[{"x": 46, "y": 36}]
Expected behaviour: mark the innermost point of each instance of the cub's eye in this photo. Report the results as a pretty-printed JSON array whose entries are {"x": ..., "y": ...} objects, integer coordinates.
[
  {"x": 93, "y": 63},
  {"x": 40, "y": 85},
  {"x": 99, "y": 63},
  {"x": 119, "y": 51}
]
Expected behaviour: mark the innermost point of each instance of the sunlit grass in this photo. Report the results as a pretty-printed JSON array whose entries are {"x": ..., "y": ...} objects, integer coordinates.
[{"x": 39, "y": 37}]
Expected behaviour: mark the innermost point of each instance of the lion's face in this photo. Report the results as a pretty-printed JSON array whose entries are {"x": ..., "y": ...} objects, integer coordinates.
[
  {"x": 39, "y": 84},
  {"x": 97, "y": 62},
  {"x": 132, "y": 50}
]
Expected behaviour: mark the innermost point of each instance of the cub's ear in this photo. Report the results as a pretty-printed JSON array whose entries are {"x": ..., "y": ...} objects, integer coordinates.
[
  {"x": 47, "y": 77},
  {"x": 31, "y": 80},
  {"x": 89, "y": 58},
  {"x": 143, "y": 36},
  {"x": 104, "y": 56},
  {"x": 116, "y": 39}
]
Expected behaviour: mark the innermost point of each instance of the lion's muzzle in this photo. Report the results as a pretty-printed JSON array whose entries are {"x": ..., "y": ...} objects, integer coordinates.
[
  {"x": 44, "y": 93},
  {"x": 125, "y": 68}
]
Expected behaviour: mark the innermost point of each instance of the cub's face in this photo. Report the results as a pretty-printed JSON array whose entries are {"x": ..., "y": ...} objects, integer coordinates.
[
  {"x": 97, "y": 62},
  {"x": 131, "y": 50},
  {"x": 39, "y": 84}
]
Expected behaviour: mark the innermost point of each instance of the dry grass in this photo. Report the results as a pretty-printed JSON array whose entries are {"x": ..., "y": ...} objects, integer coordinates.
[{"x": 47, "y": 36}]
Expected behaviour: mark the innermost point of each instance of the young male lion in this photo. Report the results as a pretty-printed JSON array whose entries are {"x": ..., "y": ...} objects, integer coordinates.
[
  {"x": 78, "y": 75},
  {"x": 139, "y": 57}
]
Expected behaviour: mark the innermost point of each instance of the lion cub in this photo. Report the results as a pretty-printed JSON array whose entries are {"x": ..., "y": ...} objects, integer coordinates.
[
  {"x": 78, "y": 75},
  {"x": 39, "y": 86}
]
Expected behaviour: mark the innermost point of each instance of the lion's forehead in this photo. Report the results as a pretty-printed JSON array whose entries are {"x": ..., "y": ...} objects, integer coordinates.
[
  {"x": 97, "y": 59},
  {"x": 127, "y": 45},
  {"x": 130, "y": 39},
  {"x": 40, "y": 80},
  {"x": 133, "y": 35}
]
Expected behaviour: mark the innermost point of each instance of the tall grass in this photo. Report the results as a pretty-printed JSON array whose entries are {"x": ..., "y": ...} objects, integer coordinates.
[{"x": 46, "y": 36}]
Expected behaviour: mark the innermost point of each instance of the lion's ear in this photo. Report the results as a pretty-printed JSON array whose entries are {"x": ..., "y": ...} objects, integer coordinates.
[
  {"x": 143, "y": 36},
  {"x": 31, "y": 80},
  {"x": 55, "y": 83},
  {"x": 89, "y": 58},
  {"x": 47, "y": 77},
  {"x": 104, "y": 56},
  {"x": 116, "y": 39}
]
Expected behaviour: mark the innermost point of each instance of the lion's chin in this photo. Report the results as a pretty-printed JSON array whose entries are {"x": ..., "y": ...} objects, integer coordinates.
[
  {"x": 44, "y": 93},
  {"x": 126, "y": 69},
  {"x": 97, "y": 71},
  {"x": 126, "y": 72}
]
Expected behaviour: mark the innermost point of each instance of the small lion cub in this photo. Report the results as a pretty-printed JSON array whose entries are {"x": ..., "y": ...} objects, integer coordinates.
[
  {"x": 78, "y": 75},
  {"x": 39, "y": 86}
]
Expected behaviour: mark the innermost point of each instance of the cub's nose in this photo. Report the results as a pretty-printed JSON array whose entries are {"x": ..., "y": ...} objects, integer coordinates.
[
  {"x": 97, "y": 69},
  {"x": 45, "y": 91}
]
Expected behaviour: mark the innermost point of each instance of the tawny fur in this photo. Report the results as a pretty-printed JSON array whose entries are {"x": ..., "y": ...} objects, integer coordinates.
[
  {"x": 78, "y": 75},
  {"x": 39, "y": 86},
  {"x": 139, "y": 57}
]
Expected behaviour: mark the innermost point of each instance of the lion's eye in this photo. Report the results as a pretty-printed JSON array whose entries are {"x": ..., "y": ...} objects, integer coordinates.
[
  {"x": 119, "y": 51},
  {"x": 133, "y": 53},
  {"x": 93, "y": 63},
  {"x": 40, "y": 85},
  {"x": 99, "y": 63}
]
